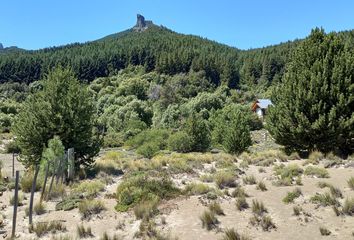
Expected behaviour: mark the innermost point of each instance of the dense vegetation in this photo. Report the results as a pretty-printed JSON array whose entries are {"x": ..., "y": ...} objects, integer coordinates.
[
  {"x": 314, "y": 104},
  {"x": 157, "y": 90}
]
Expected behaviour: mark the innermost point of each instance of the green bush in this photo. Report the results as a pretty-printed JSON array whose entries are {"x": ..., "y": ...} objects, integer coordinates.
[
  {"x": 12, "y": 147},
  {"x": 351, "y": 183},
  {"x": 180, "y": 142},
  {"x": 149, "y": 142},
  {"x": 69, "y": 203},
  {"x": 198, "y": 129},
  {"x": 317, "y": 172},
  {"x": 291, "y": 196},
  {"x": 42, "y": 228},
  {"x": 325, "y": 199},
  {"x": 225, "y": 179},
  {"x": 196, "y": 189},
  {"x": 209, "y": 221},
  {"x": 112, "y": 139},
  {"x": 26, "y": 182},
  {"x": 90, "y": 207},
  {"x": 348, "y": 207},
  {"x": 136, "y": 189},
  {"x": 89, "y": 188}
]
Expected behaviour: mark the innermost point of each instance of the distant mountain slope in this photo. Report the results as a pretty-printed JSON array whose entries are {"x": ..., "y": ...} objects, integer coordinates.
[{"x": 156, "y": 48}]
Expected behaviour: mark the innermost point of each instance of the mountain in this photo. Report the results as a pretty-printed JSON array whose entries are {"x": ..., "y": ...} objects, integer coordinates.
[{"x": 157, "y": 48}]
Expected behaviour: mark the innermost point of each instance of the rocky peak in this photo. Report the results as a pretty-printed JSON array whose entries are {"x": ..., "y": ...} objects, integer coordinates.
[
  {"x": 141, "y": 24},
  {"x": 1, "y": 46}
]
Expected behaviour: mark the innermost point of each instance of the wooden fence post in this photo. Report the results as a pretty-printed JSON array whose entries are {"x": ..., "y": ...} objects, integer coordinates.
[
  {"x": 32, "y": 195},
  {"x": 71, "y": 164},
  {"x": 14, "y": 218},
  {"x": 13, "y": 165},
  {"x": 45, "y": 182}
]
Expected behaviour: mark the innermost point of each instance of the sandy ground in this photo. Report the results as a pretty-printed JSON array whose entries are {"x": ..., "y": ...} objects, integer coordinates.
[{"x": 182, "y": 214}]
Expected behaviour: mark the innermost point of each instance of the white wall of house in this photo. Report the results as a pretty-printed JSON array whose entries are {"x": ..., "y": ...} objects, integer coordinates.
[{"x": 259, "y": 112}]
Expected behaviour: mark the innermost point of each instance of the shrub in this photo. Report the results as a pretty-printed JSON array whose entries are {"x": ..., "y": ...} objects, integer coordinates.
[
  {"x": 261, "y": 186},
  {"x": 198, "y": 129},
  {"x": 136, "y": 189},
  {"x": 42, "y": 228},
  {"x": 68, "y": 203},
  {"x": 19, "y": 200},
  {"x": 322, "y": 184},
  {"x": 241, "y": 203},
  {"x": 196, "y": 189},
  {"x": 224, "y": 179},
  {"x": 12, "y": 147},
  {"x": 180, "y": 142},
  {"x": 317, "y": 172},
  {"x": 89, "y": 188},
  {"x": 90, "y": 207},
  {"x": 258, "y": 207},
  {"x": 297, "y": 210},
  {"x": 112, "y": 139},
  {"x": 325, "y": 199},
  {"x": 57, "y": 191},
  {"x": 209, "y": 221},
  {"x": 249, "y": 180},
  {"x": 324, "y": 231},
  {"x": 26, "y": 182},
  {"x": 39, "y": 208},
  {"x": 287, "y": 173},
  {"x": 348, "y": 207},
  {"x": 231, "y": 234},
  {"x": 336, "y": 192},
  {"x": 148, "y": 150},
  {"x": 149, "y": 142},
  {"x": 215, "y": 208},
  {"x": 291, "y": 196},
  {"x": 265, "y": 222},
  {"x": 315, "y": 157},
  {"x": 351, "y": 183},
  {"x": 146, "y": 209},
  {"x": 239, "y": 192},
  {"x": 206, "y": 178},
  {"x": 83, "y": 232}
]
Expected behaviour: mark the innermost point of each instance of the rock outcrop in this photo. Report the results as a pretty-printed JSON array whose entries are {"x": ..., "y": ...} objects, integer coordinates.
[
  {"x": 141, "y": 24},
  {"x": 1, "y": 46}
]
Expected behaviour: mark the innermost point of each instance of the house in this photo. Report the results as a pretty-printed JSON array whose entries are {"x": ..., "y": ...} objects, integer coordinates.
[{"x": 260, "y": 106}]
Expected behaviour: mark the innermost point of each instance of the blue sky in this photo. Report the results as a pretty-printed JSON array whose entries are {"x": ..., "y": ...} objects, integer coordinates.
[{"x": 244, "y": 24}]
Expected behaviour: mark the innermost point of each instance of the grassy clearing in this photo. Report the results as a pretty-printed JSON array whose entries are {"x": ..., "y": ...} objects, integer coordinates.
[
  {"x": 209, "y": 220},
  {"x": 42, "y": 228},
  {"x": 139, "y": 188},
  {"x": 291, "y": 196},
  {"x": 89, "y": 207},
  {"x": 316, "y": 172}
]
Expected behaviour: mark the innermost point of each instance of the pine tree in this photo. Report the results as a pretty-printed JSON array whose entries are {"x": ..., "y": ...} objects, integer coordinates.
[
  {"x": 198, "y": 129},
  {"x": 313, "y": 105},
  {"x": 62, "y": 108}
]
